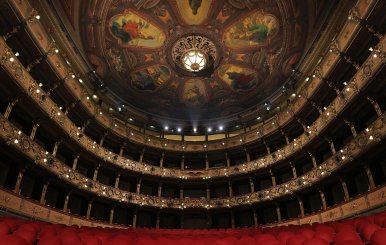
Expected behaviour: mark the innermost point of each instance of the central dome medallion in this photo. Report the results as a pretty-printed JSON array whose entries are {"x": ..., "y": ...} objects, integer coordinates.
[
  {"x": 194, "y": 53},
  {"x": 168, "y": 61}
]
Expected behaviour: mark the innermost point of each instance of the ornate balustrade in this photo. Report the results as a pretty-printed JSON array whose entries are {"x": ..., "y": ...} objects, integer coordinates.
[
  {"x": 25, "y": 81},
  {"x": 369, "y": 137}
]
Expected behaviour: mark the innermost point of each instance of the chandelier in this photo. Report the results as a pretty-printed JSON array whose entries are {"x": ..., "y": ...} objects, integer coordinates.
[
  {"x": 194, "y": 53},
  {"x": 194, "y": 60}
]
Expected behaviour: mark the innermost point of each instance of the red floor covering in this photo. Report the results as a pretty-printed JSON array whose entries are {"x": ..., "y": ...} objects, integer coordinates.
[{"x": 361, "y": 230}]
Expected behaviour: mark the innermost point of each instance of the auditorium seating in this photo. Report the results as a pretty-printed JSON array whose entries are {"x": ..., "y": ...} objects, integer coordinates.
[{"x": 361, "y": 230}]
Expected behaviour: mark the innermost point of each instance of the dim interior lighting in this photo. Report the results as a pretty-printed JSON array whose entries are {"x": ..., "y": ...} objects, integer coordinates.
[
  {"x": 293, "y": 95},
  {"x": 37, "y": 91},
  {"x": 220, "y": 128},
  {"x": 94, "y": 96},
  {"x": 194, "y": 60},
  {"x": 307, "y": 79},
  {"x": 12, "y": 59},
  {"x": 179, "y": 129},
  {"x": 87, "y": 97},
  {"x": 56, "y": 50},
  {"x": 37, "y": 17},
  {"x": 16, "y": 141},
  {"x": 166, "y": 128},
  {"x": 130, "y": 119},
  {"x": 119, "y": 109},
  {"x": 209, "y": 129}
]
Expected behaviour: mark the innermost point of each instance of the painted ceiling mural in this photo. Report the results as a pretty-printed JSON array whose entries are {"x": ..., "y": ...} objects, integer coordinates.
[{"x": 128, "y": 41}]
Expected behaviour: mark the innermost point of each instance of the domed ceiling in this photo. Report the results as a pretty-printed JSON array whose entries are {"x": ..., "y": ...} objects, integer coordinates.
[{"x": 129, "y": 43}]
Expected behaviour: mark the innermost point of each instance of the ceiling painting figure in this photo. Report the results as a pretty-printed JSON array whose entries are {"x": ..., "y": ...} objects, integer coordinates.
[
  {"x": 150, "y": 78},
  {"x": 255, "y": 30},
  {"x": 132, "y": 30},
  {"x": 194, "y": 12},
  {"x": 194, "y": 93},
  {"x": 238, "y": 78}
]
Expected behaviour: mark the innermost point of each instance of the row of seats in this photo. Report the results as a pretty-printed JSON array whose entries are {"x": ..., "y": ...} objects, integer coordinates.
[{"x": 361, "y": 230}]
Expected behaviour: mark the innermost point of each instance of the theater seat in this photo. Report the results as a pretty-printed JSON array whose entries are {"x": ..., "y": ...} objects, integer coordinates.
[
  {"x": 315, "y": 241},
  {"x": 379, "y": 237},
  {"x": 368, "y": 231},
  {"x": 4, "y": 229},
  {"x": 12, "y": 240}
]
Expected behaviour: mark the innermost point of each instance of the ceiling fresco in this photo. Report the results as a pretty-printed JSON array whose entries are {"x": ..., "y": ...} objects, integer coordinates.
[{"x": 128, "y": 43}]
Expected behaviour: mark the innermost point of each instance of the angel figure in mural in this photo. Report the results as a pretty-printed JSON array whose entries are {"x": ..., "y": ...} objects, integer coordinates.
[
  {"x": 129, "y": 30},
  {"x": 257, "y": 29},
  {"x": 194, "y": 96},
  {"x": 146, "y": 81},
  {"x": 241, "y": 81}
]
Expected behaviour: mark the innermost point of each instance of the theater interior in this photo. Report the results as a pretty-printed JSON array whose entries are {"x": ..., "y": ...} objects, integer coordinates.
[{"x": 220, "y": 122}]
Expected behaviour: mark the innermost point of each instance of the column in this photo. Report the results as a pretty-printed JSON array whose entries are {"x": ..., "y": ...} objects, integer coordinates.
[
  {"x": 267, "y": 147},
  {"x": 138, "y": 191},
  {"x": 301, "y": 207},
  {"x": 75, "y": 162},
  {"x": 233, "y": 220},
  {"x": 207, "y": 192},
  {"x": 278, "y": 213},
  {"x": 230, "y": 189},
  {"x": 322, "y": 197},
  {"x": 44, "y": 191},
  {"x": 33, "y": 131},
  {"x": 208, "y": 220},
  {"x": 247, "y": 154},
  {"x": 273, "y": 179},
  {"x": 286, "y": 137},
  {"x": 111, "y": 220},
  {"x": 313, "y": 159},
  {"x": 345, "y": 190},
  {"x": 66, "y": 201},
  {"x": 181, "y": 191},
  {"x": 9, "y": 108},
  {"x": 294, "y": 174},
  {"x": 183, "y": 162},
  {"x": 369, "y": 176},
  {"x": 103, "y": 138},
  {"x": 331, "y": 145},
  {"x": 135, "y": 219},
  {"x": 142, "y": 154},
  {"x": 56, "y": 146},
  {"x": 85, "y": 124},
  {"x": 206, "y": 161},
  {"x": 159, "y": 193},
  {"x": 227, "y": 159},
  {"x": 161, "y": 161},
  {"x": 96, "y": 172},
  {"x": 252, "y": 185},
  {"x": 19, "y": 180},
  {"x": 352, "y": 128},
  {"x": 157, "y": 223},
  {"x": 255, "y": 221},
  {"x": 122, "y": 149},
  {"x": 116, "y": 185},
  {"x": 89, "y": 206},
  {"x": 182, "y": 220}
]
